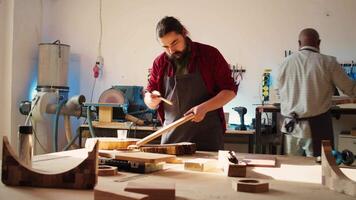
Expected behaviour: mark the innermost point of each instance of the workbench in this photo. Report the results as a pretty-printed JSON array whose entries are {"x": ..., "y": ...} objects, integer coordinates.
[
  {"x": 108, "y": 129},
  {"x": 336, "y": 111},
  {"x": 293, "y": 178}
]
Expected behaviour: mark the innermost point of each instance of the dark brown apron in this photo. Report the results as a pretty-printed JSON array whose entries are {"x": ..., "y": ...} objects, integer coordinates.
[{"x": 187, "y": 91}]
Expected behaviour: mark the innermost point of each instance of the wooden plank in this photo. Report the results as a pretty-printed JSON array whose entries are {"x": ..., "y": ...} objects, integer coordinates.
[
  {"x": 182, "y": 148},
  {"x": 113, "y": 193},
  {"x": 252, "y": 160},
  {"x": 155, "y": 190},
  {"x": 260, "y": 161},
  {"x": 143, "y": 157},
  {"x": 200, "y": 164},
  {"x": 15, "y": 173},
  {"x": 110, "y": 143}
]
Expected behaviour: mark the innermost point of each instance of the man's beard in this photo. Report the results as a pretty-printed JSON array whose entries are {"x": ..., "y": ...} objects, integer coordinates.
[{"x": 179, "y": 55}]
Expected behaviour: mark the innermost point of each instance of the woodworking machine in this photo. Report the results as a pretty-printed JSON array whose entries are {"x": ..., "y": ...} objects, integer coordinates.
[
  {"x": 51, "y": 99},
  {"x": 131, "y": 99}
]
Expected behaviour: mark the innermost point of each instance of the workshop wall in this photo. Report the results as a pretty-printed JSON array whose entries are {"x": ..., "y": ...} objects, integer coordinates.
[
  {"x": 20, "y": 33},
  {"x": 3, "y": 24},
  {"x": 251, "y": 33},
  {"x": 6, "y": 21}
]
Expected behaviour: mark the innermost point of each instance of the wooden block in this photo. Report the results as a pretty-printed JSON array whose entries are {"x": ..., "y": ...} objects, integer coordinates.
[
  {"x": 260, "y": 160},
  {"x": 106, "y": 170},
  {"x": 231, "y": 169},
  {"x": 143, "y": 157},
  {"x": 182, "y": 148},
  {"x": 157, "y": 191},
  {"x": 117, "y": 194},
  {"x": 105, "y": 113},
  {"x": 235, "y": 170},
  {"x": 331, "y": 175},
  {"x": 250, "y": 185},
  {"x": 130, "y": 166},
  {"x": 15, "y": 173},
  {"x": 199, "y": 164},
  {"x": 110, "y": 143},
  {"x": 353, "y": 132},
  {"x": 176, "y": 161}
]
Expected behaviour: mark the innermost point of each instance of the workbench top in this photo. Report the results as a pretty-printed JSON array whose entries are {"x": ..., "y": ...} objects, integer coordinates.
[{"x": 293, "y": 178}]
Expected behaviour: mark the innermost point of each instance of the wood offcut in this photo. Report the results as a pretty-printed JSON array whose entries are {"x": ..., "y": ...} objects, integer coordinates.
[
  {"x": 106, "y": 170},
  {"x": 15, "y": 173},
  {"x": 250, "y": 185}
]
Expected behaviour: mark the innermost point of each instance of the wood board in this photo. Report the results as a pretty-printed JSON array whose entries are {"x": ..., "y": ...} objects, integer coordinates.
[
  {"x": 200, "y": 164},
  {"x": 252, "y": 160},
  {"x": 182, "y": 148},
  {"x": 110, "y": 143},
  {"x": 143, "y": 157},
  {"x": 155, "y": 190}
]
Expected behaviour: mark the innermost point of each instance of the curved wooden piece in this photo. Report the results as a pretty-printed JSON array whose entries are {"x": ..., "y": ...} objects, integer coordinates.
[
  {"x": 15, "y": 173},
  {"x": 332, "y": 176}
]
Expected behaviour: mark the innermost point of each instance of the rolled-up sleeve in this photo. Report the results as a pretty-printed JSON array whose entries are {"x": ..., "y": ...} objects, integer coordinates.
[
  {"x": 222, "y": 73},
  {"x": 341, "y": 80},
  {"x": 153, "y": 78}
]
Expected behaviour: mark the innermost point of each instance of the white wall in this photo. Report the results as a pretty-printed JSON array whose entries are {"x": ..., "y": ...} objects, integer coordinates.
[
  {"x": 20, "y": 34},
  {"x": 6, "y": 21},
  {"x": 253, "y": 33}
]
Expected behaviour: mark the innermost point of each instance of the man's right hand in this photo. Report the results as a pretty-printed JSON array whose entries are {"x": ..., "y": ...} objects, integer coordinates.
[{"x": 152, "y": 99}]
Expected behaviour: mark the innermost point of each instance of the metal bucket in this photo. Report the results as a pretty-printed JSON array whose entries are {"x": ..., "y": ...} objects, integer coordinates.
[{"x": 53, "y": 65}]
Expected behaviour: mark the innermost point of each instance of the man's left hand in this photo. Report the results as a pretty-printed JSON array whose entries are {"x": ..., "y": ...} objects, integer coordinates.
[{"x": 199, "y": 112}]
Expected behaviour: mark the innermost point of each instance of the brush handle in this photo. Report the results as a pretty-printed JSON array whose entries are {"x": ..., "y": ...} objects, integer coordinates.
[{"x": 166, "y": 101}]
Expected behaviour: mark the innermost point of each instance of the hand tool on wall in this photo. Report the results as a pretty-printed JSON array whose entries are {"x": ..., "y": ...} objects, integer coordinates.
[{"x": 160, "y": 132}]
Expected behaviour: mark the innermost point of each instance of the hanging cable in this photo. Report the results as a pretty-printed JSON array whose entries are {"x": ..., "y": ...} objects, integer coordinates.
[
  {"x": 101, "y": 27},
  {"x": 36, "y": 137},
  {"x": 92, "y": 91}
]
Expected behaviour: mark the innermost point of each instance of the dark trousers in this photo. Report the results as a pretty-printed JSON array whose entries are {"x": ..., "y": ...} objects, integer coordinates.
[{"x": 322, "y": 129}]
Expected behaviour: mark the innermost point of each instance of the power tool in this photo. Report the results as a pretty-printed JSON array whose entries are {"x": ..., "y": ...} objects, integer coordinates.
[{"x": 241, "y": 111}]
